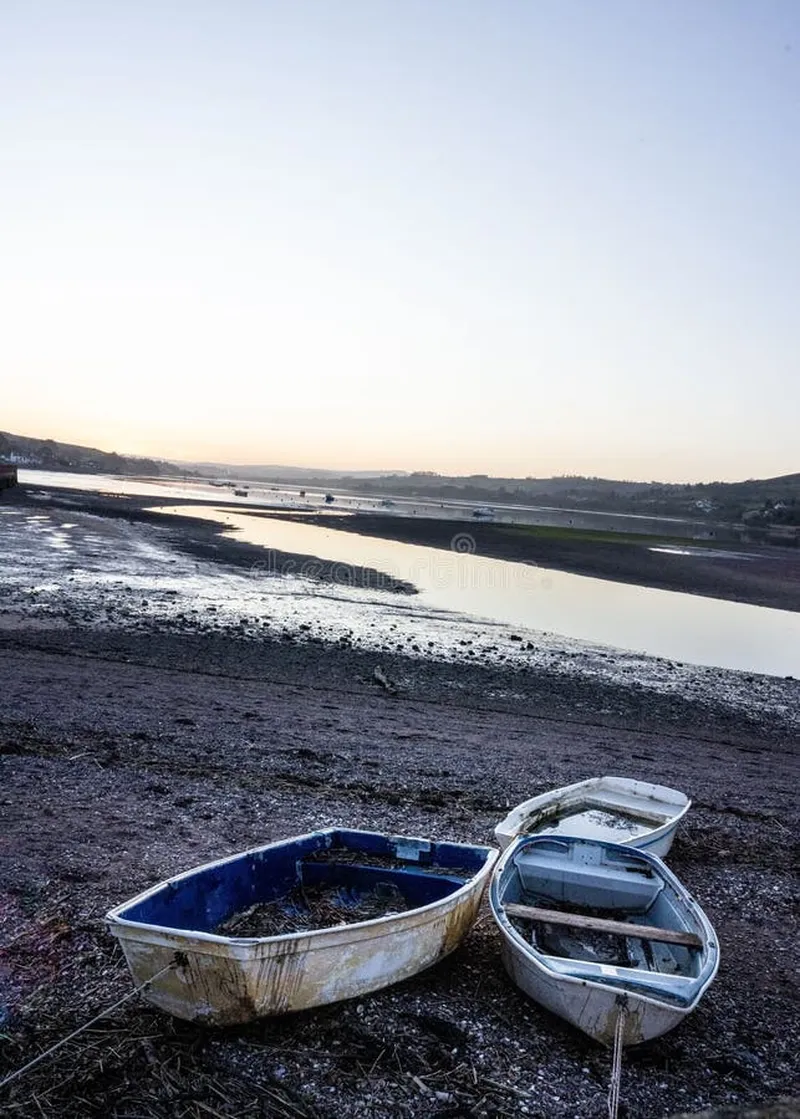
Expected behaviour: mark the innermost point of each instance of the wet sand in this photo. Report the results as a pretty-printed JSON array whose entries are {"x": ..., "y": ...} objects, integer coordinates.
[{"x": 137, "y": 742}]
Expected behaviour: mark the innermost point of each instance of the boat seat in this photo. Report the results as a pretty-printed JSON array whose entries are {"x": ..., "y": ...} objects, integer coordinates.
[
  {"x": 547, "y": 874},
  {"x": 616, "y": 802},
  {"x": 601, "y": 924},
  {"x": 677, "y": 988}
]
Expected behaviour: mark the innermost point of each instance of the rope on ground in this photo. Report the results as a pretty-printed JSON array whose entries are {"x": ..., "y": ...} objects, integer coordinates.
[
  {"x": 82, "y": 1029},
  {"x": 616, "y": 1061}
]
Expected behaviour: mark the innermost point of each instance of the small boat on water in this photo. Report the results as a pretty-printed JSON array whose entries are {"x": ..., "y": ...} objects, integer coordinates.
[
  {"x": 302, "y": 922},
  {"x": 616, "y": 809},
  {"x": 594, "y": 931}
]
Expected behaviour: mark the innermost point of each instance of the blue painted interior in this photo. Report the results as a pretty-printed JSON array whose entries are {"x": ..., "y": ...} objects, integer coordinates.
[{"x": 201, "y": 901}]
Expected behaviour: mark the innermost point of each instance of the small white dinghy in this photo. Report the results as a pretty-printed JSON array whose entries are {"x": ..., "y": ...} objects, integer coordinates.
[
  {"x": 597, "y": 931},
  {"x": 302, "y": 922},
  {"x": 615, "y": 809}
]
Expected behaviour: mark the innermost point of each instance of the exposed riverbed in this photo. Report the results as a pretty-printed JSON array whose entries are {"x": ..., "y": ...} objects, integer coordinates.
[
  {"x": 707, "y": 631},
  {"x": 64, "y": 567}
]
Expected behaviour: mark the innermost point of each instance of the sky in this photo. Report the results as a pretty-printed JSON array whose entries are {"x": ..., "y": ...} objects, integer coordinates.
[{"x": 517, "y": 237}]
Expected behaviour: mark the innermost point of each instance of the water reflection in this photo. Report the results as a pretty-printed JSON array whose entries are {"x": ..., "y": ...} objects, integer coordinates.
[{"x": 677, "y": 626}]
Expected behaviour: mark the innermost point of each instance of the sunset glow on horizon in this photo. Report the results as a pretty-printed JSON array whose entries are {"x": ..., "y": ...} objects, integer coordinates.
[{"x": 514, "y": 239}]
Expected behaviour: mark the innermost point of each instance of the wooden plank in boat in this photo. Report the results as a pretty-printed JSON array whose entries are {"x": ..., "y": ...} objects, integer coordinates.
[{"x": 603, "y": 924}]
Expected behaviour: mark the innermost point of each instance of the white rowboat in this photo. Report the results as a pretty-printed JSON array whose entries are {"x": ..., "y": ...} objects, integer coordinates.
[
  {"x": 615, "y": 809},
  {"x": 596, "y": 930}
]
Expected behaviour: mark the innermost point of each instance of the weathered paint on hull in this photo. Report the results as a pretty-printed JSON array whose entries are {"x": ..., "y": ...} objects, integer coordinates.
[
  {"x": 563, "y": 985},
  {"x": 240, "y": 981},
  {"x": 225, "y": 980}
]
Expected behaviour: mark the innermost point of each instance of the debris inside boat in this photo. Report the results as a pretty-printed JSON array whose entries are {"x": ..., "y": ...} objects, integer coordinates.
[
  {"x": 601, "y": 939},
  {"x": 315, "y": 907},
  {"x": 584, "y": 817}
]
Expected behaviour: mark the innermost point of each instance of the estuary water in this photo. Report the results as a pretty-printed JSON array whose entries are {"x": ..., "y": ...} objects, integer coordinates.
[{"x": 678, "y": 627}]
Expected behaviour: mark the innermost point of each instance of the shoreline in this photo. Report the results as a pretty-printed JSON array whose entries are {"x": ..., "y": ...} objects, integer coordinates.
[
  {"x": 118, "y": 573},
  {"x": 199, "y": 537},
  {"x": 770, "y": 576}
]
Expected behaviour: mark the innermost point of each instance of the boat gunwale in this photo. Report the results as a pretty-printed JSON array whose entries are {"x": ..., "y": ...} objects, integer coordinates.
[
  {"x": 194, "y": 939},
  {"x": 516, "y": 943},
  {"x": 612, "y": 989}
]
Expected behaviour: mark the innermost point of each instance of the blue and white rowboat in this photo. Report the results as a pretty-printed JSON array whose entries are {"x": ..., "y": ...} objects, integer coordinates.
[{"x": 177, "y": 948}]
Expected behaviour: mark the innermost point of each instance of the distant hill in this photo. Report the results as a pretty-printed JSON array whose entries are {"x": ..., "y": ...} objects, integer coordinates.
[
  {"x": 760, "y": 503},
  {"x": 756, "y": 501},
  {"x": 277, "y": 473},
  {"x": 47, "y": 454}
]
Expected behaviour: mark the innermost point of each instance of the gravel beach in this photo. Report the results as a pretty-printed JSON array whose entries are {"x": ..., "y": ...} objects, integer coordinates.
[{"x": 145, "y": 729}]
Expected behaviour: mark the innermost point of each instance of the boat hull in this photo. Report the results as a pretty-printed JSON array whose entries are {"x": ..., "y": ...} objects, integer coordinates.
[
  {"x": 220, "y": 980},
  {"x": 590, "y": 1007},
  {"x": 591, "y": 995},
  {"x": 549, "y": 813}
]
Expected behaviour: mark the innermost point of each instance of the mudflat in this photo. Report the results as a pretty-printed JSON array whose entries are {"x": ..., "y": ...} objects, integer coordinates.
[{"x": 136, "y": 744}]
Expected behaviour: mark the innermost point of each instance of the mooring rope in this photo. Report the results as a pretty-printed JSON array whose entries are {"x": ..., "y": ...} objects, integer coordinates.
[
  {"x": 82, "y": 1029},
  {"x": 616, "y": 1060}
]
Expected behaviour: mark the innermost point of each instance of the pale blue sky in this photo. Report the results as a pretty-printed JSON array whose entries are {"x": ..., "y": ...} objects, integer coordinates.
[{"x": 506, "y": 237}]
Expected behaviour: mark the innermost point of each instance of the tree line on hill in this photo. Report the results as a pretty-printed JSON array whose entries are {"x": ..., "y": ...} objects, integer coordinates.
[
  {"x": 767, "y": 501},
  {"x": 47, "y": 454}
]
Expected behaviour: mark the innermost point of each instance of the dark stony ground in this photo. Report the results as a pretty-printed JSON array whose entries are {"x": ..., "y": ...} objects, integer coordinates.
[{"x": 131, "y": 754}]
